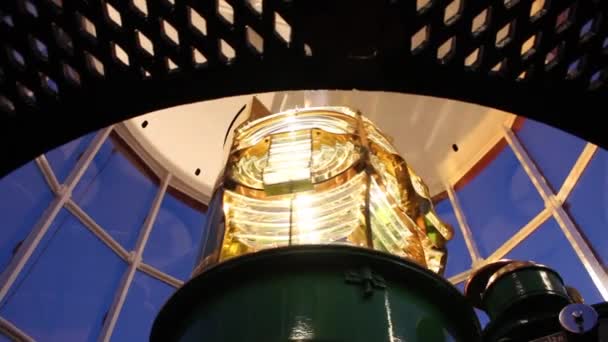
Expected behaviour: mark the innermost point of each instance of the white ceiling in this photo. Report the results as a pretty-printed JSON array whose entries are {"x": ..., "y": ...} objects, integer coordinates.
[{"x": 423, "y": 129}]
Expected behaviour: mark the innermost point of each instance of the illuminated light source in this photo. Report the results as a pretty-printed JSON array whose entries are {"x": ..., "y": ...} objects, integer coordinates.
[
  {"x": 315, "y": 210},
  {"x": 323, "y": 175},
  {"x": 288, "y": 162}
]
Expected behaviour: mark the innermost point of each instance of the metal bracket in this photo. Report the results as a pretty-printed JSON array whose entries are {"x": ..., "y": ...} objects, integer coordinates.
[{"x": 365, "y": 277}]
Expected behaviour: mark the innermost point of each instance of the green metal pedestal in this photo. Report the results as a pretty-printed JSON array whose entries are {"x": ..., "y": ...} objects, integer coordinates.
[{"x": 317, "y": 293}]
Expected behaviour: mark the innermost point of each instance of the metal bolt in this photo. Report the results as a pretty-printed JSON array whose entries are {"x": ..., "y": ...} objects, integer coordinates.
[{"x": 578, "y": 316}]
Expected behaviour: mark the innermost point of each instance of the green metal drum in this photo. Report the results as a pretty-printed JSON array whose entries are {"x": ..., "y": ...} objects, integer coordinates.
[
  {"x": 317, "y": 293},
  {"x": 519, "y": 289},
  {"x": 523, "y": 299}
]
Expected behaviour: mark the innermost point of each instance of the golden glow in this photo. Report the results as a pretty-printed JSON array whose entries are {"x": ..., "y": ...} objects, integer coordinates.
[
  {"x": 289, "y": 162},
  {"x": 325, "y": 176},
  {"x": 375, "y": 136},
  {"x": 332, "y": 121},
  {"x": 304, "y": 218},
  {"x": 304, "y": 156},
  {"x": 332, "y": 154},
  {"x": 392, "y": 231}
]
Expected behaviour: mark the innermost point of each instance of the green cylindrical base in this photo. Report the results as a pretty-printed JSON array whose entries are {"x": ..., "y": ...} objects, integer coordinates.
[
  {"x": 317, "y": 293},
  {"x": 523, "y": 302},
  {"x": 524, "y": 292}
]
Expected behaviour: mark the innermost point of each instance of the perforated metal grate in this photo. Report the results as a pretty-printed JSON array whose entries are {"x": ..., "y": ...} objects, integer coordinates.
[{"x": 68, "y": 67}]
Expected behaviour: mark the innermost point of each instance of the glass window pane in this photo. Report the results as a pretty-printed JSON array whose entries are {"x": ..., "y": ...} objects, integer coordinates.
[
  {"x": 24, "y": 196},
  {"x": 460, "y": 286},
  {"x": 47, "y": 238},
  {"x": 588, "y": 204},
  {"x": 212, "y": 238},
  {"x": 499, "y": 201},
  {"x": 548, "y": 246},
  {"x": 67, "y": 290},
  {"x": 554, "y": 151},
  {"x": 483, "y": 317},
  {"x": 64, "y": 158},
  {"x": 459, "y": 259},
  {"x": 117, "y": 192},
  {"x": 144, "y": 300},
  {"x": 174, "y": 241}
]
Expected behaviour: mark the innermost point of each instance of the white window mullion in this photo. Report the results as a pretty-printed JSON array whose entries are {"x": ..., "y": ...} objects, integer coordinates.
[
  {"x": 476, "y": 258},
  {"x": 47, "y": 172},
  {"x": 574, "y": 236},
  {"x": 24, "y": 252},
  {"x": 134, "y": 263},
  {"x": 10, "y": 330},
  {"x": 577, "y": 170}
]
